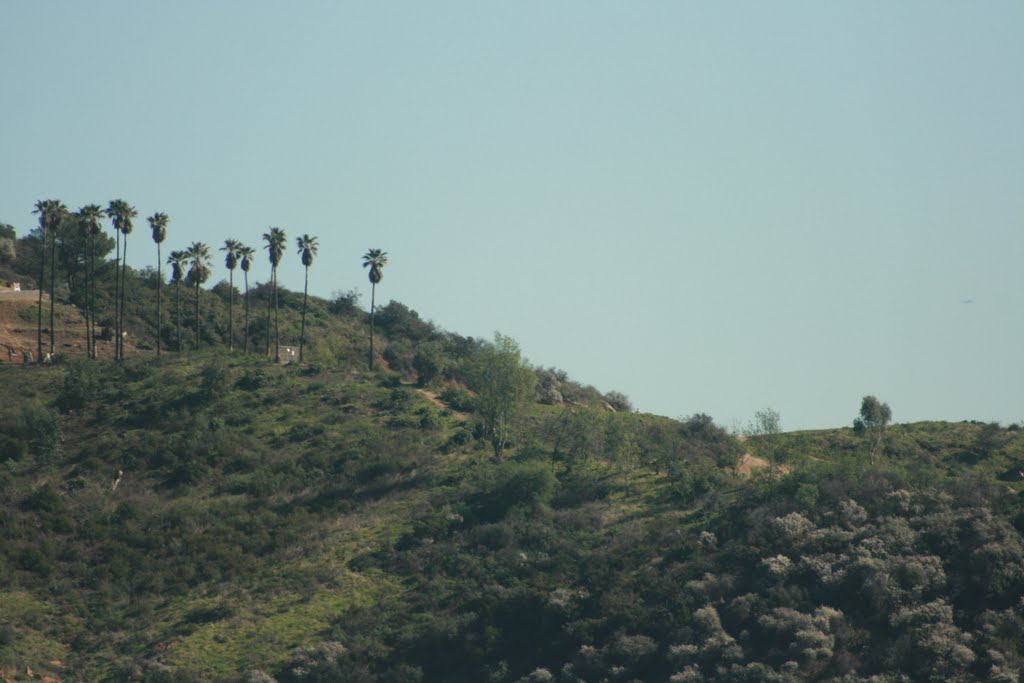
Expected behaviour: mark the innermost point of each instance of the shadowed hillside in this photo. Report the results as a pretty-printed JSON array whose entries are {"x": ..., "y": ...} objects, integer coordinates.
[{"x": 212, "y": 516}]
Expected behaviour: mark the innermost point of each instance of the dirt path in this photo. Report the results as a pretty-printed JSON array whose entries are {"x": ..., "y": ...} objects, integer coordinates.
[{"x": 432, "y": 397}]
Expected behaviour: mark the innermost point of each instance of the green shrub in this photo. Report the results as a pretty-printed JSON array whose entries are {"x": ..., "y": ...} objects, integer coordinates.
[
  {"x": 510, "y": 485},
  {"x": 81, "y": 385},
  {"x": 458, "y": 399}
]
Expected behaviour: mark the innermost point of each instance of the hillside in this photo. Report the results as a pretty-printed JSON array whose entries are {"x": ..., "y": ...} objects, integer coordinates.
[
  {"x": 276, "y": 512},
  {"x": 209, "y": 516}
]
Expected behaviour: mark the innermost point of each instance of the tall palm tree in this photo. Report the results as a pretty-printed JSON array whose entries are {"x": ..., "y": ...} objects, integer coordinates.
[
  {"x": 307, "y": 247},
  {"x": 245, "y": 257},
  {"x": 231, "y": 248},
  {"x": 177, "y": 261},
  {"x": 375, "y": 260},
  {"x": 112, "y": 211},
  {"x": 275, "y": 240},
  {"x": 158, "y": 224},
  {"x": 89, "y": 217},
  {"x": 51, "y": 214},
  {"x": 199, "y": 254},
  {"x": 121, "y": 214},
  {"x": 62, "y": 213}
]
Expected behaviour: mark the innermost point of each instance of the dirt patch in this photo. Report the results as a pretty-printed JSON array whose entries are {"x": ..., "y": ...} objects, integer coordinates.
[
  {"x": 19, "y": 335},
  {"x": 748, "y": 464},
  {"x": 441, "y": 405}
]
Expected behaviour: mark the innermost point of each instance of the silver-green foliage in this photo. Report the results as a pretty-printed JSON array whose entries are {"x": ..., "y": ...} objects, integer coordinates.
[{"x": 504, "y": 384}]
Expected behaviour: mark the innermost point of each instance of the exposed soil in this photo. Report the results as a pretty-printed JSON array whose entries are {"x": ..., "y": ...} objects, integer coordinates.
[
  {"x": 18, "y": 335},
  {"x": 748, "y": 464}
]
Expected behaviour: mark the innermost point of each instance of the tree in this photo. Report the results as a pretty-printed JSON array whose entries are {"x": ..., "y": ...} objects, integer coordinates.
[
  {"x": 874, "y": 418},
  {"x": 51, "y": 214},
  {"x": 89, "y": 217},
  {"x": 121, "y": 214},
  {"x": 375, "y": 260},
  {"x": 158, "y": 224},
  {"x": 245, "y": 257},
  {"x": 230, "y": 250},
  {"x": 275, "y": 239},
  {"x": 199, "y": 271},
  {"x": 177, "y": 261},
  {"x": 307, "y": 247},
  {"x": 504, "y": 384}
]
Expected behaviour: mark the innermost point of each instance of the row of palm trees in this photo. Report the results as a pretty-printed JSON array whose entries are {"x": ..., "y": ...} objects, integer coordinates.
[{"x": 191, "y": 265}]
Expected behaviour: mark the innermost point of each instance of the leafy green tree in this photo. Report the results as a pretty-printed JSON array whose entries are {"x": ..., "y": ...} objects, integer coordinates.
[
  {"x": 178, "y": 260},
  {"x": 275, "y": 240},
  {"x": 158, "y": 224},
  {"x": 245, "y": 257},
  {"x": 375, "y": 260},
  {"x": 230, "y": 250},
  {"x": 121, "y": 214},
  {"x": 199, "y": 271},
  {"x": 504, "y": 384},
  {"x": 51, "y": 214},
  {"x": 874, "y": 418},
  {"x": 307, "y": 247}
]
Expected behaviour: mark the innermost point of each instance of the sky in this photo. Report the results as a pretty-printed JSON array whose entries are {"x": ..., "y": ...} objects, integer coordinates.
[{"x": 712, "y": 207}]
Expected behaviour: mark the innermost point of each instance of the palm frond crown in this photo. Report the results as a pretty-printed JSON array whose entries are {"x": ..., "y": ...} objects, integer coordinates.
[
  {"x": 158, "y": 223},
  {"x": 375, "y": 260},
  {"x": 276, "y": 240},
  {"x": 307, "y": 248}
]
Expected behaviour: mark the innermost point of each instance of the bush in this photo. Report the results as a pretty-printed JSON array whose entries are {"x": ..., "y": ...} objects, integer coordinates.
[
  {"x": 81, "y": 386},
  {"x": 458, "y": 399},
  {"x": 429, "y": 363},
  {"x": 345, "y": 303},
  {"x": 618, "y": 401},
  {"x": 29, "y": 429},
  {"x": 510, "y": 485}
]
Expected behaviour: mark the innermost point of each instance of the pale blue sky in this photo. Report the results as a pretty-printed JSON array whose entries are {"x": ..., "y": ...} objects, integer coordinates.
[{"x": 712, "y": 207}]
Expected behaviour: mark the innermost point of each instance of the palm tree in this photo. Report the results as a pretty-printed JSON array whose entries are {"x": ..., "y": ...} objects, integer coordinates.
[
  {"x": 158, "y": 224},
  {"x": 245, "y": 256},
  {"x": 51, "y": 214},
  {"x": 307, "y": 247},
  {"x": 276, "y": 240},
  {"x": 177, "y": 261},
  {"x": 113, "y": 210},
  {"x": 198, "y": 273},
  {"x": 231, "y": 248},
  {"x": 62, "y": 212},
  {"x": 121, "y": 214},
  {"x": 375, "y": 260},
  {"x": 89, "y": 217}
]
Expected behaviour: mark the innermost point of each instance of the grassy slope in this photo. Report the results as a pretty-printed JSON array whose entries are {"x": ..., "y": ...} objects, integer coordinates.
[{"x": 260, "y": 505}]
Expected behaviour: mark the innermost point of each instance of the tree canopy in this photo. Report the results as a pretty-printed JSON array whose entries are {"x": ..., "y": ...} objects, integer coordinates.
[{"x": 504, "y": 384}]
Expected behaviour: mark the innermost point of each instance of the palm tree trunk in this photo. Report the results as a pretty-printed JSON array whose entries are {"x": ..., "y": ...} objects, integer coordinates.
[
  {"x": 302, "y": 330},
  {"x": 117, "y": 298},
  {"x": 231, "y": 310},
  {"x": 85, "y": 301},
  {"x": 39, "y": 311},
  {"x": 90, "y": 326},
  {"x": 159, "y": 286},
  {"x": 53, "y": 282},
  {"x": 177, "y": 310},
  {"x": 373, "y": 302},
  {"x": 124, "y": 269},
  {"x": 268, "y": 311},
  {"x": 197, "y": 314},
  {"x": 246, "y": 348},
  {"x": 277, "y": 327}
]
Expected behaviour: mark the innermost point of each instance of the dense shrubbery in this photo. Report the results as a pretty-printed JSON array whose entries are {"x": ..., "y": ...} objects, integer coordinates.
[{"x": 275, "y": 523}]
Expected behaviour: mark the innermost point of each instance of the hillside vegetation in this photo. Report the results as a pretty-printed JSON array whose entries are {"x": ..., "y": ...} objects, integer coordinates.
[{"x": 214, "y": 516}]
